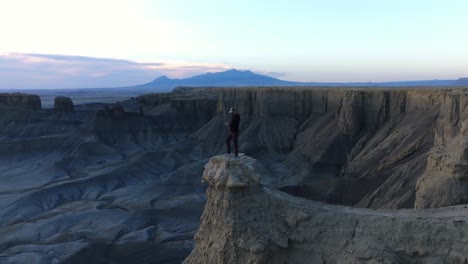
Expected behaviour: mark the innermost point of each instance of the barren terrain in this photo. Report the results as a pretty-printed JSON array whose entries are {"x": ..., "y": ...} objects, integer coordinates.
[{"x": 122, "y": 184}]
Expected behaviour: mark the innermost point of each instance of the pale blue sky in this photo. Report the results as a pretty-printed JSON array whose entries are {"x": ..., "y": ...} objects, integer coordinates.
[{"x": 333, "y": 40}]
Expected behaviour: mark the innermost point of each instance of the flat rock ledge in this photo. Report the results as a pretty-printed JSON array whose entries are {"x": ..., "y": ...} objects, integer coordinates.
[{"x": 227, "y": 172}]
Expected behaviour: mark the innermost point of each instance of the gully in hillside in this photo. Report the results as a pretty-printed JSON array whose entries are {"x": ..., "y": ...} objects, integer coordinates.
[{"x": 233, "y": 132}]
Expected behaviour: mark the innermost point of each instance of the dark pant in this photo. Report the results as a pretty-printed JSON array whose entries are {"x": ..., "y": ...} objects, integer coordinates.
[{"x": 232, "y": 136}]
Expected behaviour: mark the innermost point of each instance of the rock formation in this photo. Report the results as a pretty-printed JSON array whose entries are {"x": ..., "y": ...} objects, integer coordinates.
[
  {"x": 63, "y": 104},
  {"x": 20, "y": 100},
  {"x": 444, "y": 182},
  {"x": 244, "y": 222}
]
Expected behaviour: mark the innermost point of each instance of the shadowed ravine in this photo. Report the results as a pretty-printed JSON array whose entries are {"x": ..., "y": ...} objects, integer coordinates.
[{"x": 122, "y": 184}]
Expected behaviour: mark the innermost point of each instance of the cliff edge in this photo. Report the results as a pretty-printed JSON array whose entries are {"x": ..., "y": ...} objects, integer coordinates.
[{"x": 244, "y": 222}]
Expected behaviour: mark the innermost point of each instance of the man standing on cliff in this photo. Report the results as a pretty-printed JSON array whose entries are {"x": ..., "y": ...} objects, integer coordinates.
[{"x": 233, "y": 132}]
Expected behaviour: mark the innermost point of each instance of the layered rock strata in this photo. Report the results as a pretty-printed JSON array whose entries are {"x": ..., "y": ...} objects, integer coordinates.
[{"x": 445, "y": 182}]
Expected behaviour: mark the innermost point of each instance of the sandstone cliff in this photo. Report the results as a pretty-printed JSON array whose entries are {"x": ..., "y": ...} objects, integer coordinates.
[{"x": 244, "y": 222}]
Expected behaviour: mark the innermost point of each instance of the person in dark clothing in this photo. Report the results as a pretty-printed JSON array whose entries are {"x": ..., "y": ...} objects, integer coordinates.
[{"x": 233, "y": 132}]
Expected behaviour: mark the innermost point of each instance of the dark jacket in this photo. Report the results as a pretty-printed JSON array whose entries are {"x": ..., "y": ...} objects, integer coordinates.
[{"x": 234, "y": 123}]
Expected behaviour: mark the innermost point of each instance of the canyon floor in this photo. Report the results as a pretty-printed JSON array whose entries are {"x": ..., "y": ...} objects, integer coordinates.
[{"x": 121, "y": 183}]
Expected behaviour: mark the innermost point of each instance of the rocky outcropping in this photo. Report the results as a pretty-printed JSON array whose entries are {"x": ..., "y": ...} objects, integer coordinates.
[
  {"x": 63, "y": 104},
  {"x": 244, "y": 222},
  {"x": 224, "y": 172},
  {"x": 20, "y": 100}
]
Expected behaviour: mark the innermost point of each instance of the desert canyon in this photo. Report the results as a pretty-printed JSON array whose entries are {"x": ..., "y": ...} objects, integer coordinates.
[{"x": 327, "y": 175}]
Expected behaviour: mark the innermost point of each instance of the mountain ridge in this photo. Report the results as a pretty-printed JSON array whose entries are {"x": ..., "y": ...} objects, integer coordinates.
[
  {"x": 461, "y": 82},
  {"x": 234, "y": 77}
]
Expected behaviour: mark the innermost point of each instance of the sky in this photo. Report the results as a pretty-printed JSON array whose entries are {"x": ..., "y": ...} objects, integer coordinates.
[{"x": 104, "y": 43}]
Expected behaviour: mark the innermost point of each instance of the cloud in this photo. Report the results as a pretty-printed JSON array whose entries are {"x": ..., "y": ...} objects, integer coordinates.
[
  {"x": 185, "y": 69},
  {"x": 37, "y": 71},
  {"x": 273, "y": 74}
]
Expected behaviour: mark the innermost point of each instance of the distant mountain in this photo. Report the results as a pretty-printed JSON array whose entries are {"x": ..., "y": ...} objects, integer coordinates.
[
  {"x": 227, "y": 78},
  {"x": 247, "y": 78},
  {"x": 461, "y": 82}
]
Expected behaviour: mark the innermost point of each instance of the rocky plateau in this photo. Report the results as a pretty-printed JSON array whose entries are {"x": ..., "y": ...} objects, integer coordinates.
[{"x": 120, "y": 183}]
